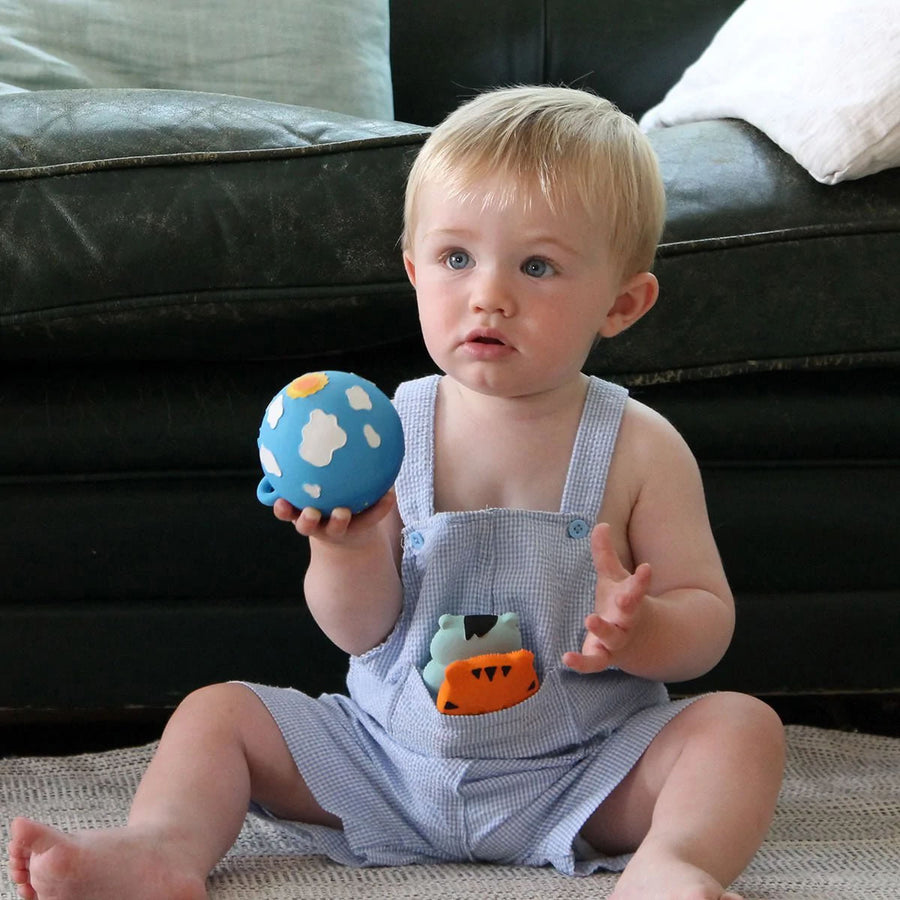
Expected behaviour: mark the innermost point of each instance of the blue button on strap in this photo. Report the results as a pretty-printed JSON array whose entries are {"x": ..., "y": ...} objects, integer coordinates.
[{"x": 578, "y": 529}]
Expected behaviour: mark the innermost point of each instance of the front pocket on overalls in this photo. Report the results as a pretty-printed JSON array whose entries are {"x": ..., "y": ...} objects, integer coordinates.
[{"x": 538, "y": 726}]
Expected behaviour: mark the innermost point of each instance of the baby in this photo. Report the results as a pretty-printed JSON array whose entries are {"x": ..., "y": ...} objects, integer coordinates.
[{"x": 531, "y": 223}]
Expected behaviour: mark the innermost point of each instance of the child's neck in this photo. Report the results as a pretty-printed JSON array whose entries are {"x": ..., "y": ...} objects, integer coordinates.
[{"x": 504, "y": 451}]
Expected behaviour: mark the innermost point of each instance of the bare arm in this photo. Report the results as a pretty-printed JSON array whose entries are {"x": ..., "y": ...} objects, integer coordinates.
[
  {"x": 672, "y": 618},
  {"x": 352, "y": 585},
  {"x": 672, "y": 636}
]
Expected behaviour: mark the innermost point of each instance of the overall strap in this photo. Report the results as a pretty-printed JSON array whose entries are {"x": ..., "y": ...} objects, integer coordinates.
[
  {"x": 415, "y": 402},
  {"x": 595, "y": 443}
]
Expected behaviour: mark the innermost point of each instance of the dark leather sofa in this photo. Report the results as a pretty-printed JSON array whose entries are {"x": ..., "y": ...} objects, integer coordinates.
[{"x": 168, "y": 260}]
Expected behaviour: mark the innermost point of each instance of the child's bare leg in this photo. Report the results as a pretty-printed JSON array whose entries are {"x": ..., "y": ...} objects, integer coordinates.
[
  {"x": 220, "y": 748},
  {"x": 698, "y": 803}
]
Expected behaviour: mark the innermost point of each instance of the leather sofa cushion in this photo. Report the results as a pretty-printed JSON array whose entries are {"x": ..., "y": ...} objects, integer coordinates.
[
  {"x": 166, "y": 224},
  {"x": 760, "y": 266},
  {"x": 169, "y": 225}
]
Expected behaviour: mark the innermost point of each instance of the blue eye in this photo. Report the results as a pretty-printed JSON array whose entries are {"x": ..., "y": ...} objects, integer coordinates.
[
  {"x": 537, "y": 267},
  {"x": 458, "y": 259}
]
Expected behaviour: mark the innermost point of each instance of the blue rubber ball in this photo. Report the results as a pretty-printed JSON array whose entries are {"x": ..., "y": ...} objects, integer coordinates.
[{"x": 329, "y": 439}]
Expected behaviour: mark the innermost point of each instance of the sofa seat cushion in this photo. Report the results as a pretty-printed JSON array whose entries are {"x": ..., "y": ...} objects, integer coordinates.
[{"x": 168, "y": 224}]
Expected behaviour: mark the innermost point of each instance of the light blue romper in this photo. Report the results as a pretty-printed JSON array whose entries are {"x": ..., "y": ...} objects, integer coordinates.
[{"x": 414, "y": 785}]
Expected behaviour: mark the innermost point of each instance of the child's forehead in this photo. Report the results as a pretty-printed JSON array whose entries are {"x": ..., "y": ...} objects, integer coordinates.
[{"x": 499, "y": 192}]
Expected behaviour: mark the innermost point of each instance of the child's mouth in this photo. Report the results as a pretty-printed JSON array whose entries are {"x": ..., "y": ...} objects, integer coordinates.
[
  {"x": 486, "y": 344},
  {"x": 486, "y": 336}
]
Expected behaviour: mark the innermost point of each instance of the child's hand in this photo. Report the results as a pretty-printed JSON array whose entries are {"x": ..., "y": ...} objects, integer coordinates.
[
  {"x": 340, "y": 526},
  {"x": 618, "y": 603}
]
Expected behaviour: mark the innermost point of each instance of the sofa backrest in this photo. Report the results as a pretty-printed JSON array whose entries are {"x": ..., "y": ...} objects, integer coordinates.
[{"x": 631, "y": 51}]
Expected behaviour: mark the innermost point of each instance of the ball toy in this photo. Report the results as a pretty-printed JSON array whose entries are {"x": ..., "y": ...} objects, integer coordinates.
[{"x": 329, "y": 439}]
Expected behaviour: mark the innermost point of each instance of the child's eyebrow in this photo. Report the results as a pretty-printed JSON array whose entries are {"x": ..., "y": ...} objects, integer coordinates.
[
  {"x": 552, "y": 241},
  {"x": 449, "y": 232},
  {"x": 538, "y": 238}
]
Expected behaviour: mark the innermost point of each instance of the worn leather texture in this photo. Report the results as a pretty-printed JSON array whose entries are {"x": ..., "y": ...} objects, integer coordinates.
[
  {"x": 218, "y": 200},
  {"x": 272, "y": 220},
  {"x": 169, "y": 259}
]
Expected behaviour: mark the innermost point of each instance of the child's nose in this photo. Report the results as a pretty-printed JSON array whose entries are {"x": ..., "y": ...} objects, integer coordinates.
[{"x": 492, "y": 294}]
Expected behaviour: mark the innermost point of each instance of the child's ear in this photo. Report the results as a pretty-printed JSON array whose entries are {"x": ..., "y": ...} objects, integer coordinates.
[
  {"x": 636, "y": 297},
  {"x": 410, "y": 267}
]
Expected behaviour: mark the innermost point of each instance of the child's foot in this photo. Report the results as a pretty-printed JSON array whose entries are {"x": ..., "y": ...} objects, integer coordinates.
[
  {"x": 47, "y": 864},
  {"x": 666, "y": 877}
]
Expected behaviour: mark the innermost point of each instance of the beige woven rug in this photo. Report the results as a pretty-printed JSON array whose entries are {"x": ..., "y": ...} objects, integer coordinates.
[{"x": 836, "y": 834}]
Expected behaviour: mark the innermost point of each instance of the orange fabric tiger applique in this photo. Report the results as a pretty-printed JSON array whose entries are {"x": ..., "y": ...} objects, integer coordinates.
[{"x": 487, "y": 683}]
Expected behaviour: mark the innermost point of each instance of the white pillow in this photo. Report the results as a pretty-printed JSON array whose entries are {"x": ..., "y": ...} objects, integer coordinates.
[
  {"x": 330, "y": 54},
  {"x": 820, "y": 78}
]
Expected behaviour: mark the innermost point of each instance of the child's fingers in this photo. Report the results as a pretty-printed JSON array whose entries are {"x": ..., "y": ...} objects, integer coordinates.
[
  {"x": 338, "y": 522},
  {"x": 606, "y": 560},
  {"x": 587, "y": 663},
  {"x": 307, "y": 520},
  {"x": 284, "y": 511},
  {"x": 310, "y": 522},
  {"x": 642, "y": 575},
  {"x": 605, "y": 639},
  {"x": 608, "y": 634},
  {"x": 629, "y": 598}
]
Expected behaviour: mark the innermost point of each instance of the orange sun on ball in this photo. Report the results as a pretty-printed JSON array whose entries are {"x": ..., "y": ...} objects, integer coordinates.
[{"x": 305, "y": 385}]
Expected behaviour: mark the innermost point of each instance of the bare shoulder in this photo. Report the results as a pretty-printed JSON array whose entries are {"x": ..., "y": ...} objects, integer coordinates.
[
  {"x": 651, "y": 460},
  {"x": 650, "y": 443}
]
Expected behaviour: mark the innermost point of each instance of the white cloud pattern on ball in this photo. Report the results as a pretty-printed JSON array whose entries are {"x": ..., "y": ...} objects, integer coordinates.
[
  {"x": 269, "y": 463},
  {"x": 322, "y": 438},
  {"x": 358, "y": 398},
  {"x": 373, "y": 438},
  {"x": 275, "y": 410}
]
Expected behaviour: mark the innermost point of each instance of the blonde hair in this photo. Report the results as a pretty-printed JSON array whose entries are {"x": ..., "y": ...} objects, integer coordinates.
[{"x": 570, "y": 145}]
